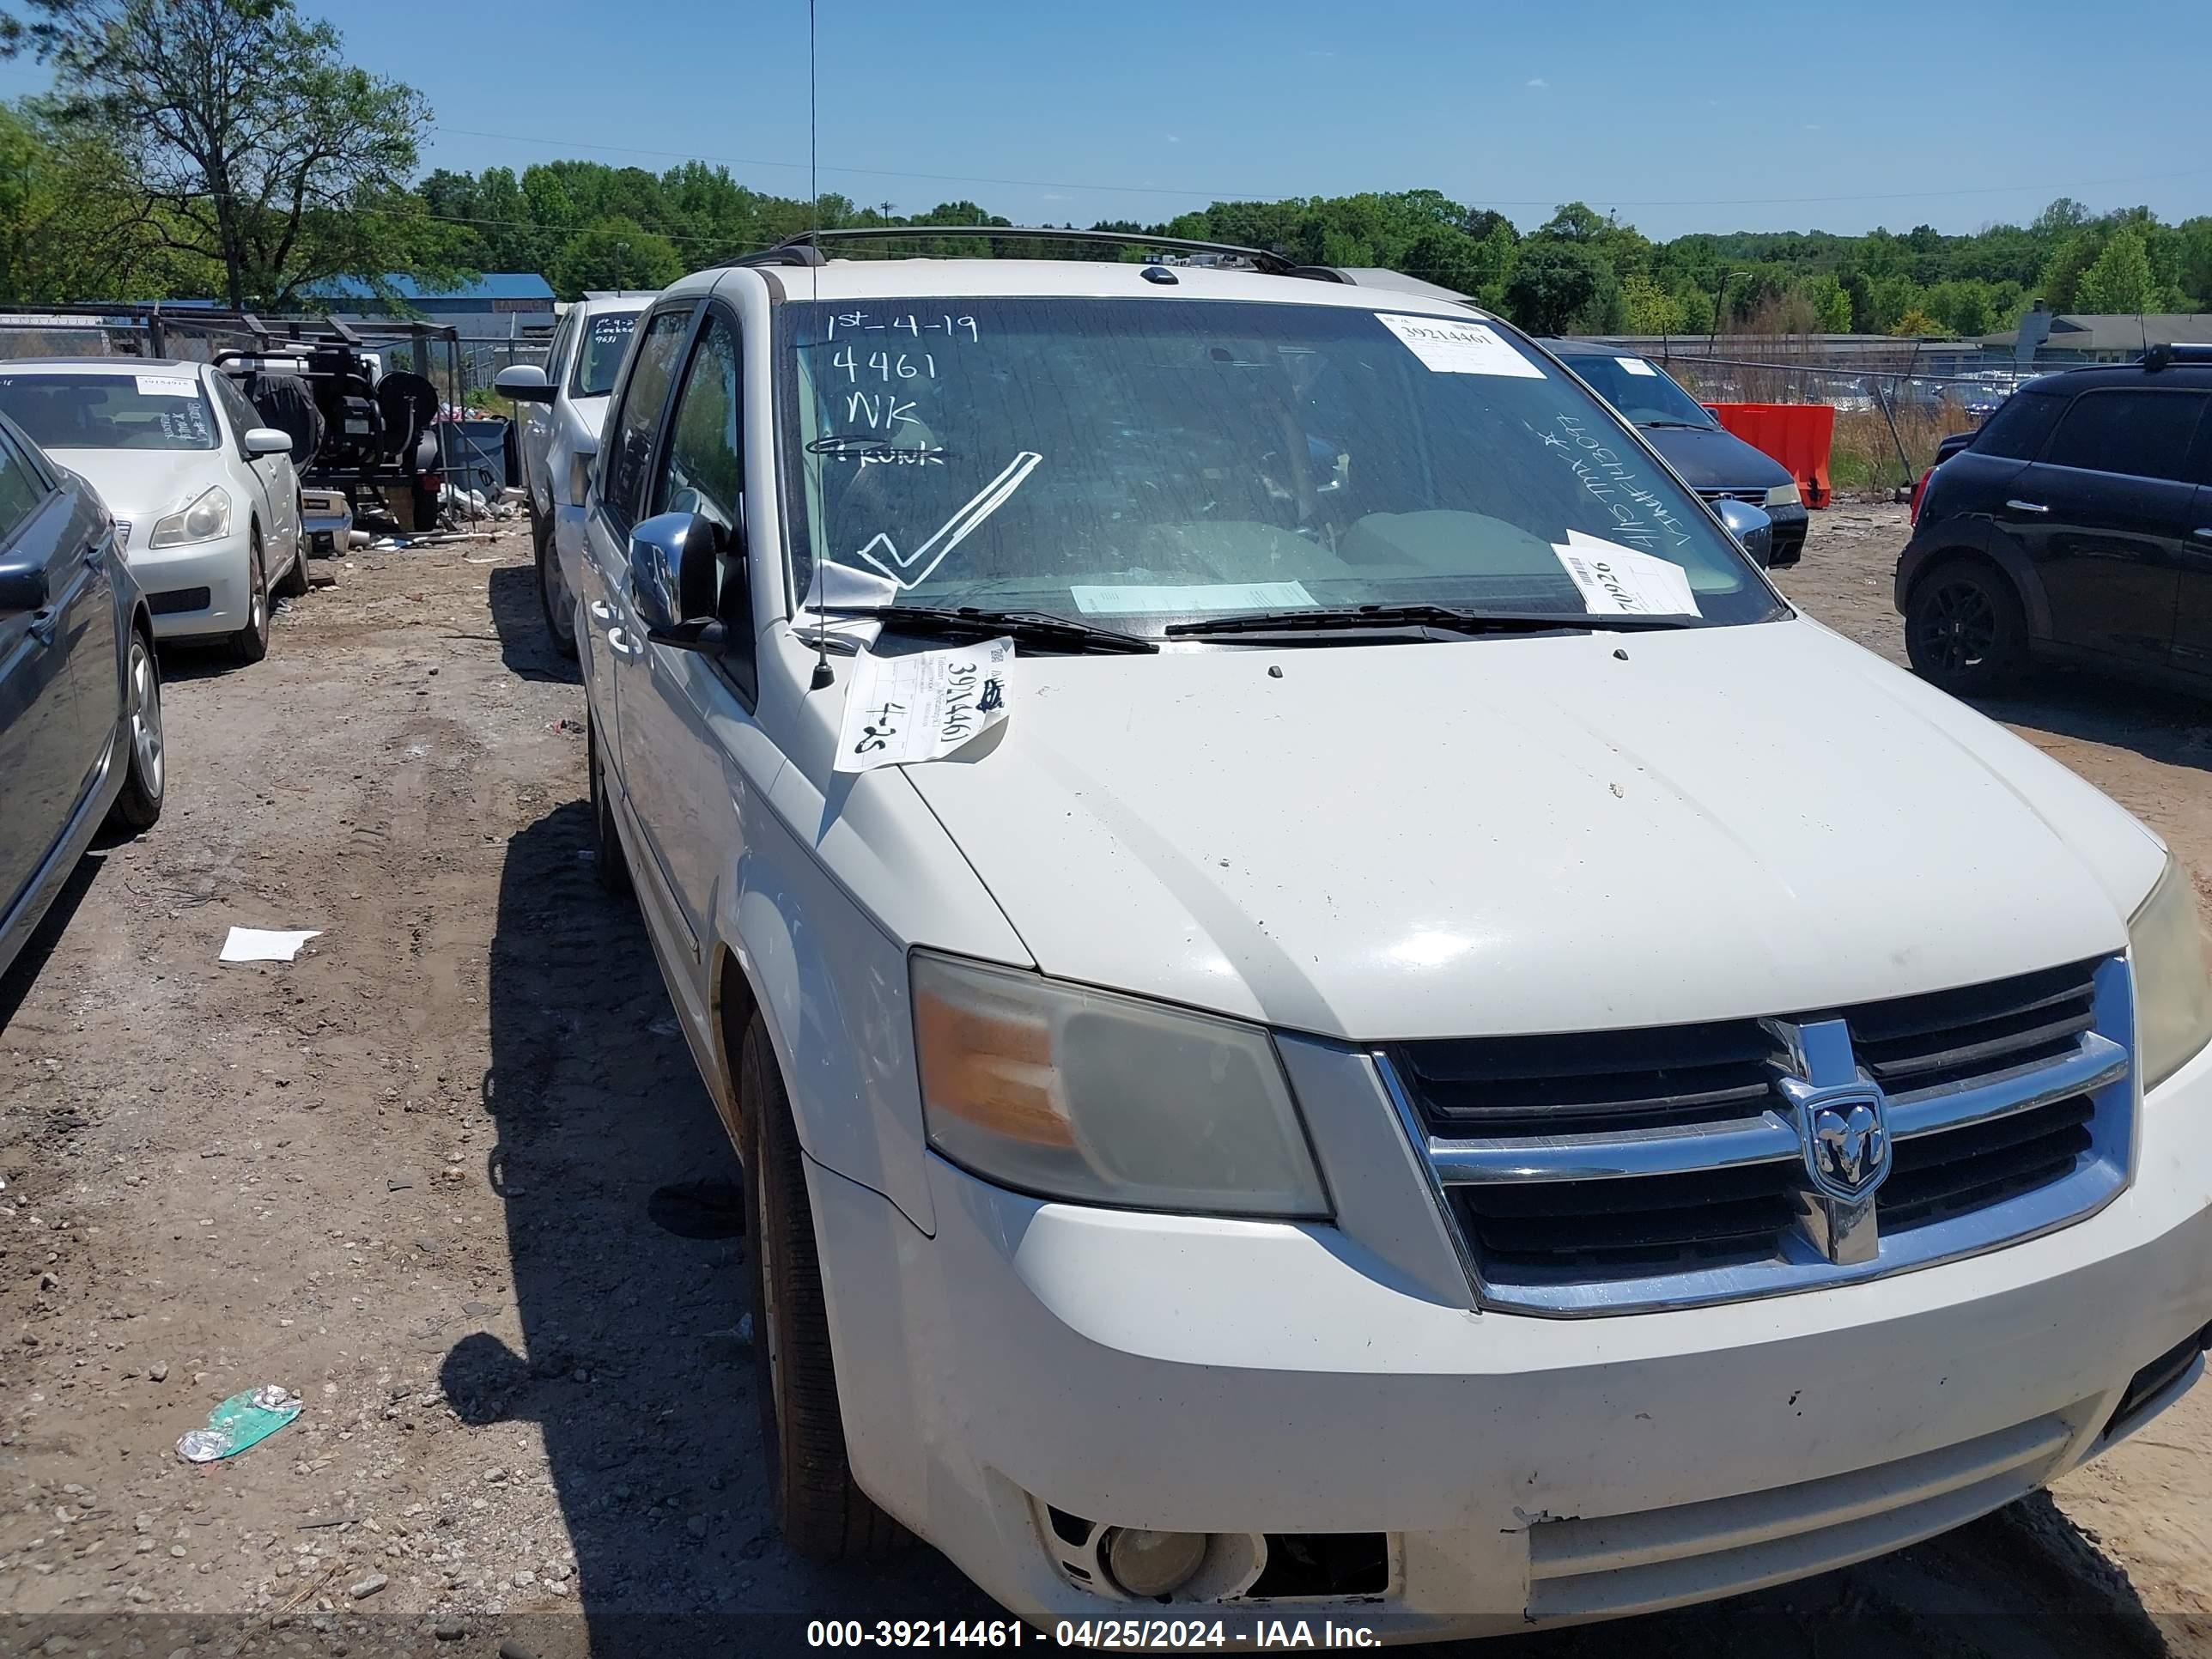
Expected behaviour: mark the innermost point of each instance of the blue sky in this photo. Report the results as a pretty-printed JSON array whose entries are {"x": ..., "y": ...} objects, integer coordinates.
[{"x": 1734, "y": 116}]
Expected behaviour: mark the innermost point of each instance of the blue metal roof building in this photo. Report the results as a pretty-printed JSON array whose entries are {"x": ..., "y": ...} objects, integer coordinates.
[{"x": 501, "y": 291}]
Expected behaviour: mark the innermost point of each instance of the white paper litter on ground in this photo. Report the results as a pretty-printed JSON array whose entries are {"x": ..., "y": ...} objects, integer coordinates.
[
  {"x": 922, "y": 706},
  {"x": 1620, "y": 582},
  {"x": 1450, "y": 348},
  {"x": 265, "y": 944}
]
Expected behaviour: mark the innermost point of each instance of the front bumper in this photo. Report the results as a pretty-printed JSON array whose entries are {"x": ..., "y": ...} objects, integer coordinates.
[
  {"x": 195, "y": 590},
  {"x": 1242, "y": 1377}
]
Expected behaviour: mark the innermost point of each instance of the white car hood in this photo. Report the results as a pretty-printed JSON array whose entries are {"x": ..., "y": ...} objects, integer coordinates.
[
  {"x": 1510, "y": 834},
  {"x": 141, "y": 485}
]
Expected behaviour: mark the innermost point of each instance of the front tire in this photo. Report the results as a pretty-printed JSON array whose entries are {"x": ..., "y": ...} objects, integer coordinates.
[
  {"x": 822, "y": 1513},
  {"x": 606, "y": 839},
  {"x": 146, "y": 770},
  {"x": 553, "y": 596},
  {"x": 251, "y": 642},
  {"x": 1965, "y": 630}
]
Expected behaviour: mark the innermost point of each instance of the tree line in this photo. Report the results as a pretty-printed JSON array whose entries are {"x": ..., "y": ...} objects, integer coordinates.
[{"x": 225, "y": 149}]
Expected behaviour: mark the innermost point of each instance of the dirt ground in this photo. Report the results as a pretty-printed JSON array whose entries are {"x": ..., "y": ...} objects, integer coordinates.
[{"x": 450, "y": 1177}]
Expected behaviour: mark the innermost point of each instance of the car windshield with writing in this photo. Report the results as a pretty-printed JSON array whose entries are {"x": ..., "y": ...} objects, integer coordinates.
[
  {"x": 1640, "y": 389},
  {"x": 110, "y": 411},
  {"x": 1141, "y": 463},
  {"x": 606, "y": 337}
]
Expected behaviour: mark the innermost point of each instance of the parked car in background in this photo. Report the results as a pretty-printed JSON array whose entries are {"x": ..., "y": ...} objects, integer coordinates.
[
  {"x": 80, "y": 687},
  {"x": 562, "y": 408},
  {"x": 206, "y": 496},
  {"x": 1717, "y": 465},
  {"x": 1411, "y": 949},
  {"x": 2076, "y": 526}
]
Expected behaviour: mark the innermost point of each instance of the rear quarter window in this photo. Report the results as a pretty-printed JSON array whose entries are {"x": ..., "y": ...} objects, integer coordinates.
[{"x": 2144, "y": 434}]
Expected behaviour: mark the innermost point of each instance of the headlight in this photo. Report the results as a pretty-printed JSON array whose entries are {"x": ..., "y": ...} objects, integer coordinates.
[
  {"x": 1783, "y": 495},
  {"x": 2173, "y": 995},
  {"x": 1068, "y": 1092},
  {"x": 202, "y": 520}
]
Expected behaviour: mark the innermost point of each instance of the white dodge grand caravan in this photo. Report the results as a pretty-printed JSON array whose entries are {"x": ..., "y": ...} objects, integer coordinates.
[{"x": 1403, "y": 1039}]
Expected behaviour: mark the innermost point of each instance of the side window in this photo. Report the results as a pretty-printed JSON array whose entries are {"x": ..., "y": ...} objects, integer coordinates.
[
  {"x": 2016, "y": 431},
  {"x": 700, "y": 469},
  {"x": 2144, "y": 434},
  {"x": 241, "y": 414},
  {"x": 557, "y": 355},
  {"x": 630, "y": 448},
  {"x": 21, "y": 490}
]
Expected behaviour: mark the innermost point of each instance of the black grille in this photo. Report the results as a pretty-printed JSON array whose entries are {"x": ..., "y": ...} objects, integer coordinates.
[
  {"x": 1601, "y": 1081},
  {"x": 1628, "y": 1228},
  {"x": 178, "y": 598},
  {"x": 1948, "y": 1036},
  {"x": 1950, "y": 1173}
]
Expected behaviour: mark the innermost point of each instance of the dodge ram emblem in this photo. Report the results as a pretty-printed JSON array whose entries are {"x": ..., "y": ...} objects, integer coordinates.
[{"x": 1847, "y": 1144}]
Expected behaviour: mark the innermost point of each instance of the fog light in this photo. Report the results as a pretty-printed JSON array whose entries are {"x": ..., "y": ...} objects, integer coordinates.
[{"x": 1153, "y": 1562}]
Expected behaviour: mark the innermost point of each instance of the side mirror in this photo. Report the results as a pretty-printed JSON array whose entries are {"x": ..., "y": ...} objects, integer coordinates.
[
  {"x": 1751, "y": 526},
  {"x": 23, "y": 587},
  {"x": 675, "y": 574},
  {"x": 524, "y": 382},
  {"x": 261, "y": 440}
]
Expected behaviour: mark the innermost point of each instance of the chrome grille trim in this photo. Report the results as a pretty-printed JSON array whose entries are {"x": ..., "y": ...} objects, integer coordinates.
[{"x": 2093, "y": 1068}]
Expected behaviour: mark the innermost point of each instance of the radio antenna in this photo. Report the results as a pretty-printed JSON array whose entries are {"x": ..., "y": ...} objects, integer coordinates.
[{"x": 824, "y": 676}]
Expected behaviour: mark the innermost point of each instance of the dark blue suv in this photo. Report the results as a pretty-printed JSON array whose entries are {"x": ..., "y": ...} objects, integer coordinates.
[
  {"x": 80, "y": 690},
  {"x": 2076, "y": 527}
]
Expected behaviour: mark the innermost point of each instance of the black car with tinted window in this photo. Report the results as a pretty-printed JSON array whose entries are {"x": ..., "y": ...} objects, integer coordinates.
[
  {"x": 2076, "y": 527},
  {"x": 1713, "y": 461}
]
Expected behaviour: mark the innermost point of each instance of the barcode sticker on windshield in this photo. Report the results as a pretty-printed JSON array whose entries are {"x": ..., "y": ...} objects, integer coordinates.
[
  {"x": 165, "y": 385},
  {"x": 1188, "y": 599},
  {"x": 1618, "y": 581},
  {"x": 1636, "y": 365},
  {"x": 922, "y": 706},
  {"x": 1454, "y": 347}
]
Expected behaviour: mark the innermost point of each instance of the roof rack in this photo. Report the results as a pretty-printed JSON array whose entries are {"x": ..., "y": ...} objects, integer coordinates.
[
  {"x": 805, "y": 249},
  {"x": 2165, "y": 355}
]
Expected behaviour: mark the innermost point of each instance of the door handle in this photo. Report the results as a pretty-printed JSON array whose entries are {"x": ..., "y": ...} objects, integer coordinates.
[
  {"x": 42, "y": 623},
  {"x": 2027, "y": 506}
]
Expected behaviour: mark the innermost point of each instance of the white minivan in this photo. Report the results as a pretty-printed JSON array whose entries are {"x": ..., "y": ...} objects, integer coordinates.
[{"x": 1442, "y": 1058}]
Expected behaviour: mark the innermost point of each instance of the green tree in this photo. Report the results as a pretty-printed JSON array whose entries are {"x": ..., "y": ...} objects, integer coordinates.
[
  {"x": 1560, "y": 287},
  {"x": 2120, "y": 280},
  {"x": 1916, "y": 321},
  {"x": 1574, "y": 222},
  {"x": 252, "y": 142},
  {"x": 1650, "y": 309},
  {"x": 1830, "y": 305},
  {"x": 615, "y": 254}
]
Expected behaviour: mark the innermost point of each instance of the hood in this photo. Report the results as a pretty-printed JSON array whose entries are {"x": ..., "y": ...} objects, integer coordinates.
[
  {"x": 141, "y": 485},
  {"x": 1709, "y": 459},
  {"x": 1501, "y": 836}
]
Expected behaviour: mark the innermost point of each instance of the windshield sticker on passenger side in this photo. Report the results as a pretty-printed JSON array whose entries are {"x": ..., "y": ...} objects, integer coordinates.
[
  {"x": 1636, "y": 366},
  {"x": 1188, "y": 599},
  {"x": 1452, "y": 347},
  {"x": 922, "y": 706},
  {"x": 165, "y": 385},
  {"x": 911, "y": 569},
  {"x": 1618, "y": 581}
]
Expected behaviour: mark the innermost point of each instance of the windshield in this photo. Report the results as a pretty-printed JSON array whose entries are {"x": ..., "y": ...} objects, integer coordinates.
[
  {"x": 1143, "y": 461},
  {"x": 153, "y": 411},
  {"x": 1640, "y": 389},
  {"x": 606, "y": 337}
]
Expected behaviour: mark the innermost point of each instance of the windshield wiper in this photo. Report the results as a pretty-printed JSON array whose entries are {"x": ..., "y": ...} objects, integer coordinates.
[
  {"x": 1459, "y": 619},
  {"x": 1687, "y": 425},
  {"x": 968, "y": 621}
]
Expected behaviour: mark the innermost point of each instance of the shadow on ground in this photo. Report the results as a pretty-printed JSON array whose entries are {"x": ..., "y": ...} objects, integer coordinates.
[
  {"x": 524, "y": 645},
  {"x": 2173, "y": 728},
  {"x": 631, "y": 1287},
  {"x": 17, "y": 978}
]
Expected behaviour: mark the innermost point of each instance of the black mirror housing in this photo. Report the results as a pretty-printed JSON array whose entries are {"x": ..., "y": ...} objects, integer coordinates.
[
  {"x": 23, "y": 587},
  {"x": 1751, "y": 526}
]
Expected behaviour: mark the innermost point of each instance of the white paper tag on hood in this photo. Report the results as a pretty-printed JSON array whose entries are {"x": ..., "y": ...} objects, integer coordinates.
[
  {"x": 1619, "y": 581},
  {"x": 923, "y": 706}
]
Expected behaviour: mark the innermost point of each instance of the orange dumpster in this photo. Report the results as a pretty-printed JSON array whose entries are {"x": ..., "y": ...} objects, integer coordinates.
[{"x": 1798, "y": 435}]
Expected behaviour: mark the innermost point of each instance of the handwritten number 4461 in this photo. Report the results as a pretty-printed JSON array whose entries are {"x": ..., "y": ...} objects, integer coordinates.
[{"x": 885, "y": 367}]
